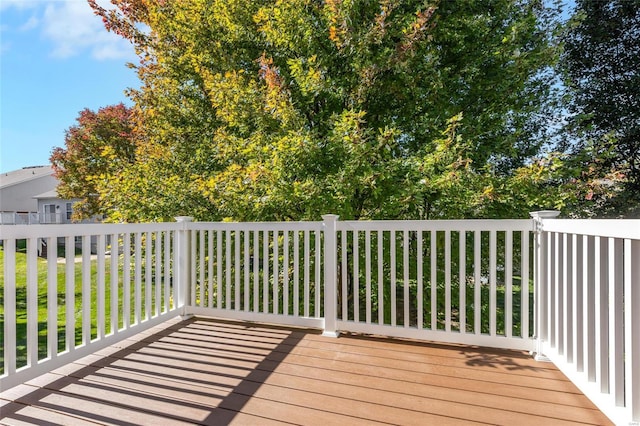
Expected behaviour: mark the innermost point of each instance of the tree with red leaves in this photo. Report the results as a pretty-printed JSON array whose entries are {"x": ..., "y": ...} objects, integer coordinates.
[{"x": 97, "y": 147}]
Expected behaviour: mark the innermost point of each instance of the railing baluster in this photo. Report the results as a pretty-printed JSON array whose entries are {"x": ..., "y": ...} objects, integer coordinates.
[
  {"x": 524, "y": 284},
  {"x": 100, "y": 286},
  {"x": 158, "y": 273},
  {"x": 219, "y": 283},
  {"x": 192, "y": 282},
  {"x": 508, "y": 283},
  {"x": 447, "y": 281},
  {"x": 392, "y": 271},
  {"x": 148, "y": 257},
  {"x": 601, "y": 314},
  {"x": 367, "y": 268},
  {"x": 256, "y": 270},
  {"x": 344, "y": 281},
  {"x": 113, "y": 291},
  {"x": 86, "y": 289},
  {"x": 296, "y": 273},
  {"x": 616, "y": 320},
  {"x": 227, "y": 266},
  {"x": 420, "y": 281},
  {"x": 380, "y": 278},
  {"x": 356, "y": 276},
  {"x": 551, "y": 290},
  {"x": 434, "y": 280},
  {"x": 236, "y": 267},
  {"x": 493, "y": 280},
  {"x": 318, "y": 268},
  {"x": 589, "y": 311},
  {"x": 558, "y": 284},
  {"x": 202, "y": 256},
  {"x": 137, "y": 284},
  {"x": 405, "y": 277},
  {"x": 247, "y": 272},
  {"x": 285, "y": 273},
  {"x": 52, "y": 297},
  {"x": 210, "y": 278},
  {"x": 462, "y": 274},
  {"x": 477, "y": 240},
  {"x": 69, "y": 294},
  {"x": 632, "y": 327},
  {"x": 32, "y": 301},
  {"x": 276, "y": 295},
  {"x": 576, "y": 299},
  {"x": 265, "y": 272},
  {"x": 567, "y": 290},
  {"x": 307, "y": 256},
  {"x": 168, "y": 279},
  {"x": 579, "y": 304},
  {"x": 9, "y": 247},
  {"x": 126, "y": 281}
]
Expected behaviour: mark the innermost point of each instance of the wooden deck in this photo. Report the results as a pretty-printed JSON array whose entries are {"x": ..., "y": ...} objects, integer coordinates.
[{"x": 215, "y": 372}]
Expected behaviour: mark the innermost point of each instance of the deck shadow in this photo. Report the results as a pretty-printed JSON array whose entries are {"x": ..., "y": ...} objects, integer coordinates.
[{"x": 201, "y": 391}]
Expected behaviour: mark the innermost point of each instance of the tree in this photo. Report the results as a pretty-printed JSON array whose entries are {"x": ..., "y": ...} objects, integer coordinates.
[
  {"x": 99, "y": 145},
  {"x": 289, "y": 109},
  {"x": 601, "y": 61}
]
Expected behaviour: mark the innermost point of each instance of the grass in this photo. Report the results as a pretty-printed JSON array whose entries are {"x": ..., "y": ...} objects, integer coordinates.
[
  {"x": 42, "y": 297},
  {"x": 21, "y": 305}
]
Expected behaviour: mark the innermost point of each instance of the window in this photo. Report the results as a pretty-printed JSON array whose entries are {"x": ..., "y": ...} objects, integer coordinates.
[{"x": 69, "y": 210}]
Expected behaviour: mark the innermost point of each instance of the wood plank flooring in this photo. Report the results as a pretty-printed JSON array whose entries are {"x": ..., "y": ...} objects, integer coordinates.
[{"x": 213, "y": 372}]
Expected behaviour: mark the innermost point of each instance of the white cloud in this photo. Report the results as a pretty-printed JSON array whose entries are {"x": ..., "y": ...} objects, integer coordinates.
[
  {"x": 32, "y": 23},
  {"x": 72, "y": 28},
  {"x": 19, "y": 4}
]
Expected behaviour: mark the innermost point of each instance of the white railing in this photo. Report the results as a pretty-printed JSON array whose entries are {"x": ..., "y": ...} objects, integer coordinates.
[
  {"x": 390, "y": 277},
  {"x": 589, "y": 308},
  {"x": 13, "y": 218},
  {"x": 270, "y": 272},
  {"x": 569, "y": 291},
  {"x": 458, "y": 281},
  {"x": 120, "y": 283},
  {"x": 32, "y": 218}
]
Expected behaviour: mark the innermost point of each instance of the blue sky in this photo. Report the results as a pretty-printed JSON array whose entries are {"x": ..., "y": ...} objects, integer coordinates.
[{"x": 56, "y": 59}]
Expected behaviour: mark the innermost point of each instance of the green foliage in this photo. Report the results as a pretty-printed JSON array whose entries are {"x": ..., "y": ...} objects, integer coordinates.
[
  {"x": 284, "y": 110},
  {"x": 601, "y": 60}
]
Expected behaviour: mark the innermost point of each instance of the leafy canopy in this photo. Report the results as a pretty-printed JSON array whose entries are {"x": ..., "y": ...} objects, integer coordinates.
[
  {"x": 287, "y": 109},
  {"x": 601, "y": 64}
]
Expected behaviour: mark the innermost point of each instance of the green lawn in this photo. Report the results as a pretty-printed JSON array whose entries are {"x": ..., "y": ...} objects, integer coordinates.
[{"x": 21, "y": 307}]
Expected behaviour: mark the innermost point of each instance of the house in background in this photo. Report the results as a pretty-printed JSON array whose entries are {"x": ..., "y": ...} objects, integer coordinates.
[
  {"x": 29, "y": 196},
  {"x": 53, "y": 209}
]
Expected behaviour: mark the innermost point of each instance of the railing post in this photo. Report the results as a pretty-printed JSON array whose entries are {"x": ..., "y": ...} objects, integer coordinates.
[
  {"x": 540, "y": 280},
  {"x": 330, "y": 275},
  {"x": 182, "y": 265}
]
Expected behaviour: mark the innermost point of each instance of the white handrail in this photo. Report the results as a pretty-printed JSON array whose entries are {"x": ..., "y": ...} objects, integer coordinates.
[
  {"x": 104, "y": 272},
  {"x": 589, "y": 308},
  {"x": 417, "y": 279}
]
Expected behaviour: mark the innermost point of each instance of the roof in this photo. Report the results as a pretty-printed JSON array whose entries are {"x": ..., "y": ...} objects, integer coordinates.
[
  {"x": 24, "y": 175},
  {"x": 49, "y": 194}
]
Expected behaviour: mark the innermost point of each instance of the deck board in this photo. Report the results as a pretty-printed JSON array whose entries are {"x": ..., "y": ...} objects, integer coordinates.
[{"x": 204, "y": 371}]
